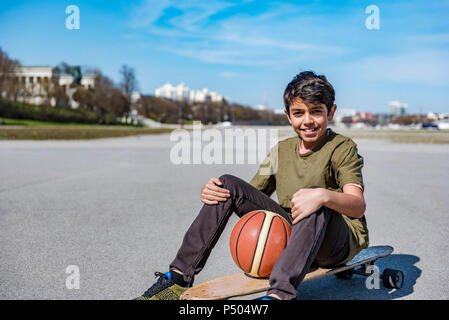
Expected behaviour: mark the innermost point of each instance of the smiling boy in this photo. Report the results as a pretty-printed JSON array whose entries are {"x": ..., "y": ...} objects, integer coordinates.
[
  {"x": 310, "y": 120},
  {"x": 317, "y": 176}
]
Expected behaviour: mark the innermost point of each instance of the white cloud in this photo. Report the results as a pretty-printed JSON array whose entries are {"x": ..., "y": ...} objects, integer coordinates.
[
  {"x": 148, "y": 12},
  {"x": 267, "y": 38},
  {"x": 227, "y": 56},
  {"x": 193, "y": 12}
]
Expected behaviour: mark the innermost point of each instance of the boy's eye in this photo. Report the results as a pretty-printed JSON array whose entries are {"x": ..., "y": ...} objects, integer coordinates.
[{"x": 299, "y": 113}]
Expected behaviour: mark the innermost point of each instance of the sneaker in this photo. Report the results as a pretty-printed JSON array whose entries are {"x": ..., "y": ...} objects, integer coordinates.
[
  {"x": 165, "y": 288},
  {"x": 266, "y": 298}
]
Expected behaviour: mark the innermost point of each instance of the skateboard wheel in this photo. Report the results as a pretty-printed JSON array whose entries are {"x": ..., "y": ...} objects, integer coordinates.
[
  {"x": 393, "y": 278},
  {"x": 345, "y": 275}
]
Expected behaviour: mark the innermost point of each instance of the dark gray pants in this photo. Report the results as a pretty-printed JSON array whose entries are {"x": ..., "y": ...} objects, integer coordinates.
[{"x": 322, "y": 238}]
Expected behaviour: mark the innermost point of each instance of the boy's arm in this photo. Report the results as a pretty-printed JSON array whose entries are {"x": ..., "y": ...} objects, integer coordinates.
[
  {"x": 307, "y": 201},
  {"x": 350, "y": 203},
  {"x": 264, "y": 183}
]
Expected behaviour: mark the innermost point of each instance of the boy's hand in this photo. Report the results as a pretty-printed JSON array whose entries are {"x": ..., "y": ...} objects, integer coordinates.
[
  {"x": 211, "y": 193},
  {"x": 305, "y": 202}
]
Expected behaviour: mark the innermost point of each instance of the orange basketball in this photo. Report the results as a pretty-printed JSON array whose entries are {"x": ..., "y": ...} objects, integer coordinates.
[{"x": 258, "y": 240}]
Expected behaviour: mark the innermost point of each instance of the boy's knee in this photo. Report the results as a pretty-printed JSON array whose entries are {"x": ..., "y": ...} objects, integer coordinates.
[
  {"x": 234, "y": 184},
  {"x": 228, "y": 180}
]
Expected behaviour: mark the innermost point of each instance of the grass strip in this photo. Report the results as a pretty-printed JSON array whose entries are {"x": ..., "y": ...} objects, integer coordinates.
[{"x": 74, "y": 133}]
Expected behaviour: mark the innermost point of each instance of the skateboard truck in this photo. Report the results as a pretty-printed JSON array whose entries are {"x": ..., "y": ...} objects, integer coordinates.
[{"x": 391, "y": 278}]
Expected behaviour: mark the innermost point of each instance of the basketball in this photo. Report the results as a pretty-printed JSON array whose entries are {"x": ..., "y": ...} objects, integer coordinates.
[{"x": 257, "y": 241}]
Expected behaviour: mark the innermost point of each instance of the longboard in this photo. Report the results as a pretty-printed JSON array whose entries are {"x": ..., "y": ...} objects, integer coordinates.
[{"x": 240, "y": 284}]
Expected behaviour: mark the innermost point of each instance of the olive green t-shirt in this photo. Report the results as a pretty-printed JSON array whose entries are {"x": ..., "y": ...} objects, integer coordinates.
[{"x": 331, "y": 164}]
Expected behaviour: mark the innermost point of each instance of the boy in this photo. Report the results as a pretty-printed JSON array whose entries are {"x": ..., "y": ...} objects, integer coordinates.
[{"x": 317, "y": 176}]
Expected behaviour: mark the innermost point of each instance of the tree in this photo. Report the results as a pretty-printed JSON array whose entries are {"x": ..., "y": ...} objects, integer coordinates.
[
  {"x": 85, "y": 98},
  {"x": 129, "y": 81},
  {"x": 104, "y": 98},
  {"x": 9, "y": 83},
  {"x": 117, "y": 103},
  {"x": 59, "y": 94},
  {"x": 409, "y": 119},
  {"x": 128, "y": 85},
  {"x": 159, "y": 109}
]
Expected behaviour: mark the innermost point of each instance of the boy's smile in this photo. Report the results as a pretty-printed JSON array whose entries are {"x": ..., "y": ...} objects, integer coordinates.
[{"x": 309, "y": 120}]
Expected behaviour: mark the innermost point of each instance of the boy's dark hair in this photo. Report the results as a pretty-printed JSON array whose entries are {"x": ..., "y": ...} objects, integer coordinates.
[{"x": 310, "y": 88}]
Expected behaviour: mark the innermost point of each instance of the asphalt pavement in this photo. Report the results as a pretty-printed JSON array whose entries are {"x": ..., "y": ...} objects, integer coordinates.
[{"x": 117, "y": 210}]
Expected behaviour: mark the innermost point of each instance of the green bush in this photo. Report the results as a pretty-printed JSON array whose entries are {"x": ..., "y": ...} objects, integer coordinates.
[{"x": 19, "y": 110}]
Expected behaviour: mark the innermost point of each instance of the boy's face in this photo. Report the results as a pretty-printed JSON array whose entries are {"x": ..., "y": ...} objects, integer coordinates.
[{"x": 309, "y": 120}]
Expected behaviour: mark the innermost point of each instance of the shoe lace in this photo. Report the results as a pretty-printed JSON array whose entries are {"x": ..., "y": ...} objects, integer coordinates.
[
  {"x": 160, "y": 274},
  {"x": 162, "y": 283}
]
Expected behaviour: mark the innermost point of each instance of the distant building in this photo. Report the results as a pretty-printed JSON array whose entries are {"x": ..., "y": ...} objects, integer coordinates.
[
  {"x": 432, "y": 116},
  {"x": 261, "y": 107},
  {"x": 342, "y": 115},
  {"x": 363, "y": 116},
  {"x": 135, "y": 96},
  {"x": 397, "y": 108},
  {"x": 443, "y": 124},
  {"x": 442, "y": 116},
  {"x": 182, "y": 93},
  {"x": 36, "y": 81},
  {"x": 178, "y": 93},
  {"x": 346, "y": 112},
  {"x": 279, "y": 111},
  {"x": 383, "y": 119}
]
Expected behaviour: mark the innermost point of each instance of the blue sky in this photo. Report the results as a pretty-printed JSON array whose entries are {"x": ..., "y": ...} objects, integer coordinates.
[{"x": 248, "y": 50}]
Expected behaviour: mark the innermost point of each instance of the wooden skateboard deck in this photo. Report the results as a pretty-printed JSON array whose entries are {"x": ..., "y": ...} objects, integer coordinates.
[{"x": 240, "y": 284}]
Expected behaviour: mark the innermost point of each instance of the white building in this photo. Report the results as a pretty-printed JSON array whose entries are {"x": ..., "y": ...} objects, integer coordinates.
[
  {"x": 340, "y": 114},
  {"x": 279, "y": 111},
  {"x": 432, "y": 116},
  {"x": 36, "y": 81},
  {"x": 178, "y": 93},
  {"x": 182, "y": 93},
  {"x": 261, "y": 107},
  {"x": 343, "y": 113},
  {"x": 397, "y": 108},
  {"x": 443, "y": 124}
]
